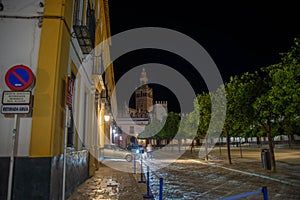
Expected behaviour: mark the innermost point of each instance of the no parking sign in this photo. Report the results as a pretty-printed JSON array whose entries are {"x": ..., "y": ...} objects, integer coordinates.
[{"x": 19, "y": 78}]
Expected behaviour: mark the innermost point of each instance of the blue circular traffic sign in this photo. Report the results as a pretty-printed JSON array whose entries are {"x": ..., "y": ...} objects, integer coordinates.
[{"x": 19, "y": 78}]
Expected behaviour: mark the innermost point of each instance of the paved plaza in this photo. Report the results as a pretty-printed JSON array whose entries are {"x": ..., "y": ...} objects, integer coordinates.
[{"x": 193, "y": 178}]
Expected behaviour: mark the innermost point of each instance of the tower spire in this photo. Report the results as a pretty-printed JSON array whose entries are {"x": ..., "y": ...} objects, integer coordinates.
[{"x": 143, "y": 77}]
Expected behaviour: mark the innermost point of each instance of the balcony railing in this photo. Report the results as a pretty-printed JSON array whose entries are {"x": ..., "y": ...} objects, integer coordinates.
[{"x": 85, "y": 33}]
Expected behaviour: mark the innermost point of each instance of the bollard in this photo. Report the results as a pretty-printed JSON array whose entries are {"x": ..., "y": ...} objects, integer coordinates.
[
  {"x": 265, "y": 193},
  {"x": 160, "y": 188},
  {"x": 148, "y": 195},
  {"x": 134, "y": 165},
  {"x": 142, "y": 181}
]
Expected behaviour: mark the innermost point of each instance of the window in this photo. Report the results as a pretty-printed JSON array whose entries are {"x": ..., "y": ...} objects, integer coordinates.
[
  {"x": 98, "y": 14},
  {"x": 78, "y": 12},
  {"x": 131, "y": 129},
  {"x": 71, "y": 127},
  {"x": 70, "y": 137},
  {"x": 84, "y": 25},
  {"x": 85, "y": 119}
]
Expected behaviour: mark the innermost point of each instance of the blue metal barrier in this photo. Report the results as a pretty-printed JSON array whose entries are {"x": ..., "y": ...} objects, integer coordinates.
[
  {"x": 160, "y": 188},
  {"x": 134, "y": 165},
  {"x": 264, "y": 191},
  {"x": 148, "y": 195}
]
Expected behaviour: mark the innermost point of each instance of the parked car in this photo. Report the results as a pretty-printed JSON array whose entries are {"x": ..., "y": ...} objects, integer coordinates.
[{"x": 113, "y": 151}]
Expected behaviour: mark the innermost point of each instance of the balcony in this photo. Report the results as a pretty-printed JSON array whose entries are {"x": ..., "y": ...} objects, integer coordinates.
[{"x": 85, "y": 33}]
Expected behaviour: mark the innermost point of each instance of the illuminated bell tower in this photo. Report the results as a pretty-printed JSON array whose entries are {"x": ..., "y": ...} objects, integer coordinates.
[{"x": 143, "y": 97}]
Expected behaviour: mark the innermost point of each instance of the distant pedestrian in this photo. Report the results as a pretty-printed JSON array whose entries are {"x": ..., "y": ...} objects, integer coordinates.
[{"x": 149, "y": 150}]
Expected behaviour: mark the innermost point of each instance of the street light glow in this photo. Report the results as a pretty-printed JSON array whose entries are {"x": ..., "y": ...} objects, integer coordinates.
[{"x": 106, "y": 118}]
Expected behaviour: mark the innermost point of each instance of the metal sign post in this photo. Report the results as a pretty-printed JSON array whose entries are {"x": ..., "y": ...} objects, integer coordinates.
[
  {"x": 65, "y": 153},
  {"x": 68, "y": 101},
  {"x": 12, "y": 157},
  {"x": 17, "y": 78}
]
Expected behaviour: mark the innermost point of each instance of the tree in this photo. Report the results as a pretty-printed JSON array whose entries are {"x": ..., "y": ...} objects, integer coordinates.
[
  {"x": 183, "y": 129},
  {"x": 265, "y": 116},
  {"x": 285, "y": 90},
  {"x": 241, "y": 93},
  {"x": 280, "y": 101},
  {"x": 229, "y": 122},
  {"x": 172, "y": 124},
  {"x": 159, "y": 130},
  {"x": 170, "y": 128},
  {"x": 202, "y": 109},
  {"x": 152, "y": 130},
  {"x": 189, "y": 126}
]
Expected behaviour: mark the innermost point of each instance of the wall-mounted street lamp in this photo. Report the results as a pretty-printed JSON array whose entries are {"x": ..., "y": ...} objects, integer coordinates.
[
  {"x": 107, "y": 112},
  {"x": 105, "y": 99},
  {"x": 106, "y": 117},
  {"x": 107, "y": 108}
]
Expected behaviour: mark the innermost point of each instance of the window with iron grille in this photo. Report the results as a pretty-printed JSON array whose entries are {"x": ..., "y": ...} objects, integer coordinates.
[{"x": 84, "y": 30}]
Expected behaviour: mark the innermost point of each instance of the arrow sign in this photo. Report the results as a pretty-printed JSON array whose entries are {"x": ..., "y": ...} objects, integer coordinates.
[{"x": 19, "y": 78}]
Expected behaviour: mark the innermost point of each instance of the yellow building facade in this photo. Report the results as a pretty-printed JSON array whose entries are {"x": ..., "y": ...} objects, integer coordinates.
[{"x": 69, "y": 96}]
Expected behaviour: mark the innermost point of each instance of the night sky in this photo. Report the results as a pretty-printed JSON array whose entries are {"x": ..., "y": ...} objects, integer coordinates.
[{"x": 239, "y": 37}]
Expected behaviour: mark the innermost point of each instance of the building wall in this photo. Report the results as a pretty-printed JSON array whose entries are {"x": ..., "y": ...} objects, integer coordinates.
[
  {"x": 20, "y": 41},
  {"x": 160, "y": 110},
  {"x": 40, "y": 35},
  {"x": 48, "y": 108},
  {"x": 130, "y": 128}
]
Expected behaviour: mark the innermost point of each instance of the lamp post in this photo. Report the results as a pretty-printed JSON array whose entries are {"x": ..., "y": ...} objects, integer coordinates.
[
  {"x": 107, "y": 127},
  {"x": 104, "y": 118},
  {"x": 114, "y": 133}
]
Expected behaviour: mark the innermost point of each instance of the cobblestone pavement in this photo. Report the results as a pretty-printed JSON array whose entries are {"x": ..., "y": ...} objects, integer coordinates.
[
  {"x": 193, "y": 178},
  {"x": 108, "y": 183}
]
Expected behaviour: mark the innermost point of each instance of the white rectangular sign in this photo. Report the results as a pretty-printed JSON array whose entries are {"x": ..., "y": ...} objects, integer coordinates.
[
  {"x": 10, "y": 97},
  {"x": 15, "y": 109}
]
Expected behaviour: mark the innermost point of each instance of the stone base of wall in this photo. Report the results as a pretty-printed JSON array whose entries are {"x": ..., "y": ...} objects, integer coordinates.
[{"x": 41, "y": 178}]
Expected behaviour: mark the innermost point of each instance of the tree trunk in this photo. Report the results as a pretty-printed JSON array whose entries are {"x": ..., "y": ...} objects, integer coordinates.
[
  {"x": 290, "y": 141},
  {"x": 257, "y": 140},
  {"x": 241, "y": 147},
  {"x": 271, "y": 146},
  {"x": 228, "y": 146},
  {"x": 220, "y": 146},
  {"x": 192, "y": 146},
  {"x": 179, "y": 144},
  {"x": 206, "y": 152}
]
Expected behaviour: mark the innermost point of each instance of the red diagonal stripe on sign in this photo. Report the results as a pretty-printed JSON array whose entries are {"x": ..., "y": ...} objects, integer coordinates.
[{"x": 19, "y": 77}]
